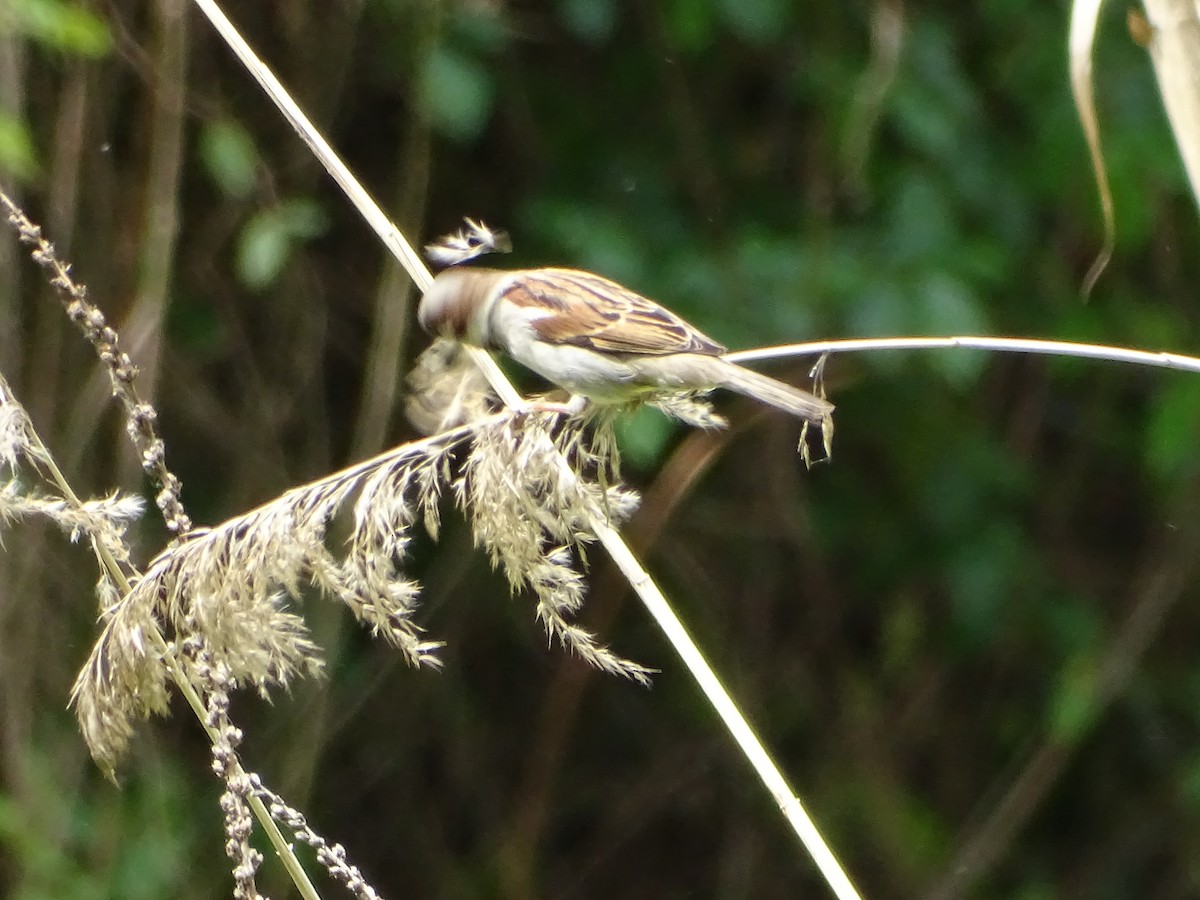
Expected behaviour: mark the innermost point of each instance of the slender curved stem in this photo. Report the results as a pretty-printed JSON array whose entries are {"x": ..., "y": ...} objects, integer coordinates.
[{"x": 1159, "y": 359}]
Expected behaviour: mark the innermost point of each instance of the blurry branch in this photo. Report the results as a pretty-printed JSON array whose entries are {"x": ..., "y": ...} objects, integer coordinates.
[
  {"x": 1084, "y": 16},
  {"x": 618, "y": 551},
  {"x": 160, "y": 226},
  {"x": 887, "y": 40},
  {"x": 1160, "y": 359},
  {"x": 1175, "y": 50}
]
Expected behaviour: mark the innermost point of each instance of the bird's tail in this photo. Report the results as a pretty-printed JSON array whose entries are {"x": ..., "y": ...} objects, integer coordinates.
[{"x": 774, "y": 393}]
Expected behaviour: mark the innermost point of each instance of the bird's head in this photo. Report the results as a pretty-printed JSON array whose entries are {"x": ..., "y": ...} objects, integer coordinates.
[{"x": 455, "y": 304}]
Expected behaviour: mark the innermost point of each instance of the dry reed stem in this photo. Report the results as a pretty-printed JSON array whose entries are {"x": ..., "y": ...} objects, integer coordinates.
[{"x": 1157, "y": 359}]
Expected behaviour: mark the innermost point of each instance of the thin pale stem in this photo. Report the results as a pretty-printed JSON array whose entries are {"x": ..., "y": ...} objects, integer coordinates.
[{"x": 1159, "y": 359}]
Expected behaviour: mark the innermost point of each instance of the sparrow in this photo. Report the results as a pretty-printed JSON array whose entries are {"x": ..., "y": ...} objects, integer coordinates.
[{"x": 593, "y": 337}]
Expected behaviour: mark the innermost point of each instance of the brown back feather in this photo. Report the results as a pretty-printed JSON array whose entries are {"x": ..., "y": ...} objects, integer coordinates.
[{"x": 593, "y": 312}]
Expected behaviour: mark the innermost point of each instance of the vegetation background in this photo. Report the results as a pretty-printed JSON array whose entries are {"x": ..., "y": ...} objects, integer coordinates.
[{"x": 970, "y": 640}]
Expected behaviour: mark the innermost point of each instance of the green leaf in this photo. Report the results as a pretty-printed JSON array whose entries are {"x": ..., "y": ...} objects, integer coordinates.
[
  {"x": 945, "y": 305},
  {"x": 64, "y": 27},
  {"x": 757, "y": 21},
  {"x": 594, "y": 236},
  {"x": 982, "y": 583},
  {"x": 18, "y": 157},
  {"x": 921, "y": 221},
  {"x": 691, "y": 25},
  {"x": 229, "y": 156},
  {"x": 484, "y": 26},
  {"x": 1189, "y": 783},
  {"x": 776, "y": 274},
  {"x": 267, "y": 240},
  {"x": 590, "y": 20},
  {"x": 303, "y": 218},
  {"x": 1074, "y": 705},
  {"x": 457, "y": 92},
  {"x": 262, "y": 250},
  {"x": 1174, "y": 430},
  {"x": 933, "y": 103},
  {"x": 879, "y": 310},
  {"x": 643, "y": 437}
]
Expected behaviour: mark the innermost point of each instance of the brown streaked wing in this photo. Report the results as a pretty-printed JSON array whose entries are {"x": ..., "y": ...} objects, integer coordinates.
[{"x": 591, "y": 311}]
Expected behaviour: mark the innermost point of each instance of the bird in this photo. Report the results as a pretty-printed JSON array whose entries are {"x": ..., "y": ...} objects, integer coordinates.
[{"x": 595, "y": 338}]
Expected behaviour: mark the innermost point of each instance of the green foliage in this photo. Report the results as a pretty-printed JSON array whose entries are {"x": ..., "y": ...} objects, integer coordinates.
[
  {"x": 596, "y": 237},
  {"x": 131, "y": 844},
  {"x": 1190, "y": 783},
  {"x": 758, "y": 21},
  {"x": 457, "y": 92},
  {"x": 1074, "y": 705},
  {"x": 692, "y": 26},
  {"x": 643, "y": 438},
  {"x": 228, "y": 154},
  {"x": 1173, "y": 432},
  {"x": 61, "y": 26},
  {"x": 269, "y": 238},
  {"x": 18, "y": 158},
  {"x": 982, "y": 576},
  {"x": 591, "y": 20}
]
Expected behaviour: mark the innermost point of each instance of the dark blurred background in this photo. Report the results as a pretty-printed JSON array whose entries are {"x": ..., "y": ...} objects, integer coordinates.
[{"x": 970, "y": 639}]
